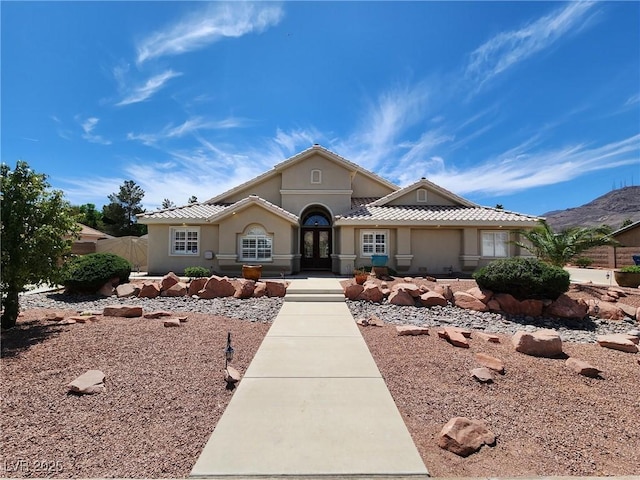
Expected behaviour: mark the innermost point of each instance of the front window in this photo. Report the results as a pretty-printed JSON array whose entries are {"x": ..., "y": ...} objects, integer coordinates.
[
  {"x": 374, "y": 243},
  {"x": 256, "y": 245},
  {"x": 185, "y": 240},
  {"x": 495, "y": 244}
]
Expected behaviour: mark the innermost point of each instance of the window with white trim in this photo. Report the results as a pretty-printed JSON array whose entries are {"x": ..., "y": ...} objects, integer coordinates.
[
  {"x": 316, "y": 176},
  {"x": 374, "y": 242},
  {"x": 185, "y": 240},
  {"x": 421, "y": 195},
  {"x": 495, "y": 244},
  {"x": 256, "y": 245}
]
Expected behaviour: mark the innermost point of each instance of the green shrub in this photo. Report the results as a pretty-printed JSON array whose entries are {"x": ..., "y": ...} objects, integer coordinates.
[
  {"x": 631, "y": 269},
  {"x": 523, "y": 278},
  {"x": 196, "y": 272},
  {"x": 583, "y": 262},
  {"x": 88, "y": 273}
]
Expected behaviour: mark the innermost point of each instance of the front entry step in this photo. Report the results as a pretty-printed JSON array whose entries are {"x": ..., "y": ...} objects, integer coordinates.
[{"x": 314, "y": 297}]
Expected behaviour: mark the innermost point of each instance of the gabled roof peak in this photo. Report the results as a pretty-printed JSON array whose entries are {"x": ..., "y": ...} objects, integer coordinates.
[{"x": 424, "y": 183}]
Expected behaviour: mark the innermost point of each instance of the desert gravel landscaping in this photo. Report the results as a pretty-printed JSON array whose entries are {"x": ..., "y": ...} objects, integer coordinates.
[{"x": 165, "y": 392}]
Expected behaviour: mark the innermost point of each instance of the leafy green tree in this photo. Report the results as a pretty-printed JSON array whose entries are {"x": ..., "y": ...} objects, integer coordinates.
[
  {"x": 119, "y": 216},
  {"x": 166, "y": 203},
  {"x": 88, "y": 215},
  {"x": 559, "y": 248},
  {"x": 499, "y": 206},
  {"x": 192, "y": 199},
  {"x": 37, "y": 227},
  {"x": 626, "y": 223}
]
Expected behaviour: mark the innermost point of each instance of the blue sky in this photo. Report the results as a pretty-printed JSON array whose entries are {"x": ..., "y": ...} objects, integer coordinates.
[{"x": 532, "y": 105}]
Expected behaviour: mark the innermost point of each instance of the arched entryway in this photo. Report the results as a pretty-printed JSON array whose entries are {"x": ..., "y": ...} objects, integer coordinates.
[{"x": 315, "y": 239}]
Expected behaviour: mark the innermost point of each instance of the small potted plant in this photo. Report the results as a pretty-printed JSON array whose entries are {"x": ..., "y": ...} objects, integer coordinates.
[
  {"x": 628, "y": 276},
  {"x": 360, "y": 275}
]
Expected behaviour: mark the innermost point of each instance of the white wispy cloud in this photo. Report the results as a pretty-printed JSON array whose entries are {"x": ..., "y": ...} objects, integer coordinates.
[
  {"x": 523, "y": 167},
  {"x": 209, "y": 25},
  {"x": 632, "y": 100},
  {"x": 140, "y": 93},
  {"x": 507, "y": 49},
  {"x": 189, "y": 126},
  {"x": 293, "y": 140},
  {"x": 88, "y": 125}
]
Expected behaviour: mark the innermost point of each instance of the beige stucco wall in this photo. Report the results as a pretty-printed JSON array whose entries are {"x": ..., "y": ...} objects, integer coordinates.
[
  {"x": 269, "y": 189},
  {"x": 160, "y": 260},
  {"x": 411, "y": 198},
  {"x": 436, "y": 251},
  {"x": 630, "y": 238},
  {"x": 363, "y": 186}
]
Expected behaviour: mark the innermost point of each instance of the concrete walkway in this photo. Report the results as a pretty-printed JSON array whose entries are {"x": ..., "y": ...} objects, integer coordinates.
[{"x": 312, "y": 402}]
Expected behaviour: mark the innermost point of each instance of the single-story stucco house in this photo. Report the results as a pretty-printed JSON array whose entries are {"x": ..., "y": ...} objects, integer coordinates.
[{"x": 318, "y": 211}]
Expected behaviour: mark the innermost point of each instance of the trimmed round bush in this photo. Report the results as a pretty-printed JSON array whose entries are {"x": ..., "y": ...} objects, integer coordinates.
[
  {"x": 523, "y": 278},
  {"x": 196, "y": 272},
  {"x": 88, "y": 273}
]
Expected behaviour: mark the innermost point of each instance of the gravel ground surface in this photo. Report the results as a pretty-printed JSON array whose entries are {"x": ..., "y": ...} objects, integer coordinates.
[{"x": 165, "y": 393}]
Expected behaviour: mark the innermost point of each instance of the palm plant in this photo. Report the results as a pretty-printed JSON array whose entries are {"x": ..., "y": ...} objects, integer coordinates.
[{"x": 559, "y": 248}]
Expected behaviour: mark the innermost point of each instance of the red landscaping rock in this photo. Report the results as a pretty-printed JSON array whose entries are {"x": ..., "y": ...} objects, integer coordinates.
[
  {"x": 411, "y": 330},
  {"x": 401, "y": 297},
  {"x": 168, "y": 281},
  {"x": 488, "y": 337},
  {"x": 566, "y": 307},
  {"x": 176, "y": 290},
  {"x": 468, "y": 302},
  {"x": 217, "y": 287},
  {"x": 411, "y": 288},
  {"x": 445, "y": 291},
  {"x": 353, "y": 291},
  {"x": 490, "y": 362},
  {"x": 276, "y": 288},
  {"x": 481, "y": 294},
  {"x": 127, "y": 311},
  {"x": 196, "y": 285},
  {"x": 454, "y": 336},
  {"x": 90, "y": 382},
  {"x": 464, "y": 436},
  {"x": 149, "y": 290},
  {"x": 157, "y": 314},
  {"x": 172, "y": 322},
  {"x": 371, "y": 293},
  {"x": 543, "y": 343},
  {"x": 431, "y": 299},
  {"x": 482, "y": 374},
  {"x": 583, "y": 368},
  {"x": 127, "y": 290},
  {"x": 508, "y": 303},
  {"x": 244, "y": 288},
  {"x": 617, "y": 341},
  {"x": 608, "y": 311}
]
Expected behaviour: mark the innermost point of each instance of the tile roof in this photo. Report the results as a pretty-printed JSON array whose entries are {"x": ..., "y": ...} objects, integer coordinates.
[
  {"x": 432, "y": 215},
  {"x": 193, "y": 211},
  {"x": 357, "y": 202}
]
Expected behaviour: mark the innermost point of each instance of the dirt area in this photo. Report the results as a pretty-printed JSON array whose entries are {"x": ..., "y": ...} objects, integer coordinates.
[{"x": 165, "y": 393}]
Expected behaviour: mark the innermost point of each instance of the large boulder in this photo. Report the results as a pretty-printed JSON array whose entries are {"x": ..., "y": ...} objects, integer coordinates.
[
  {"x": 411, "y": 288},
  {"x": 196, "y": 285},
  {"x": 566, "y": 307},
  {"x": 276, "y": 288},
  {"x": 260, "y": 290},
  {"x": 531, "y": 307},
  {"x": 508, "y": 303},
  {"x": 127, "y": 290},
  {"x": 217, "y": 287},
  {"x": 464, "y": 436},
  {"x": 149, "y": 290},
  {"x": 372, "y": 293},
  {"x": 401, "y": 297},
  {"x": 608, "y": 311},
  {"x": 468, "y": 302},
  {"x": 543, "y": 343},
  {"x": 244, "y": 288},
  {"x": 169, "y": 280},
  {"x": 432, "y": 299},
  {"x": 481, "y": 294},
  {"x": 353, "y": 291},
  {"x": 176, "y": 290}
]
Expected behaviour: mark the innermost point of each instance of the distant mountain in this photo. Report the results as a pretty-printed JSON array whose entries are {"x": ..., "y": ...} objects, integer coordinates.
[{"x": 610, "y": 209}]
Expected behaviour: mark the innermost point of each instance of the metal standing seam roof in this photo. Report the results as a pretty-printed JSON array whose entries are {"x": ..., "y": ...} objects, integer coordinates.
[{"x": 425, "y": 213}]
